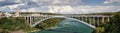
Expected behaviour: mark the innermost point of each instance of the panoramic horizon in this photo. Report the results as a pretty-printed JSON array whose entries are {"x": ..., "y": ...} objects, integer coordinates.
[
  {"x": 60, "y": 6},
  {"x": 59, "y": 16}
]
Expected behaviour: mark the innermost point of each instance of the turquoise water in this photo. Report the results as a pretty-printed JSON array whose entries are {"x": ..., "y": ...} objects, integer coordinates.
[{"x": 68, "y": 26}]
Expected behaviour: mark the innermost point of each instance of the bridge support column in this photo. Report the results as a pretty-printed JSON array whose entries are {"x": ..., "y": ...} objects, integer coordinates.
[
  {"x": 33, "y": 19},
  {"x": 108, "y": 19},
  {"x": 89, "y": 19},
  {"x": 86, "y": 20},
  {"x": 30, "y": 20},
  {"x": 94, "y": 21},
  {"x": 98, "y": 21},
  {"x": 82, "y": 18},
  {"x": 103, "y": 19},
  {"x": 27, "y": 19}
]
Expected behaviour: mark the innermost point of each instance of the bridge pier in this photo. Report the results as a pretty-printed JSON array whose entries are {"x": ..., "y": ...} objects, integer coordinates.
[
  {"x": 94, "y": 21},
  {"x": 82, "y": 18},
  {"x": 108, "y": 19},
  {"x": 30, "y": 21},
  {"x": 90, "y": 20},
  {"x": 103, "y": 19},
  {"x": 86, "y": 20},
  {"x": 98, "y": 21}
]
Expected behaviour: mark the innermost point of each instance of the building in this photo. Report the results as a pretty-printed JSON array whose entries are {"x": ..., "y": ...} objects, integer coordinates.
[
  {"x": 17, "y": 13},
  {"x": 7, "y": 14}
]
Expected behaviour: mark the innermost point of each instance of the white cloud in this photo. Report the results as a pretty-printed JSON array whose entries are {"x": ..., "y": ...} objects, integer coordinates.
[
  {"x": 93, "y": 9},
  {"x": 1, "y": 0},
  {"x": 58, "y": 6},
  {"x": 60, "y": 9},
  {"x": 57, "y": 2},
  {"x": 29, "y": 10},
  {"x": 15, "y": 6},
  {"x": 83, "y": 9},
  {"x": 11, "y": 7},
  {"x": 75, "y": 9},
  {"x": 18, "y": 1},
  {"x": 111, "y": 1}
]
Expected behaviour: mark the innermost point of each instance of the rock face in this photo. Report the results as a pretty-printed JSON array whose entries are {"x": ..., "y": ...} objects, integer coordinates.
[{"x": 19, "y": 31}]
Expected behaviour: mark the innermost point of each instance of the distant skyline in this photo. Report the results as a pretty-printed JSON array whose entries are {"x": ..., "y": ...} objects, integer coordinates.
[{"x": 61, "y": 6}]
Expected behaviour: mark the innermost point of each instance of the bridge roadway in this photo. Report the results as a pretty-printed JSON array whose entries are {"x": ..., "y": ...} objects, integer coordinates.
[{"x": 95, "y": 20}]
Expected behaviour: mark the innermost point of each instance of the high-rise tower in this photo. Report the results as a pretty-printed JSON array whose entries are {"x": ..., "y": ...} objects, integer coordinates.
[{"x": 17, "y": 12}]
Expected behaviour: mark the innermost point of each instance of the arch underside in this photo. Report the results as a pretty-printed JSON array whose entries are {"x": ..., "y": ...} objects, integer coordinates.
[{"x": 63, "y": 17}]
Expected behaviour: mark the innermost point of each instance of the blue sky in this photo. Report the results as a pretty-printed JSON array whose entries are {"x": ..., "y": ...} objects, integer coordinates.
[{"x": 61, "y": 6}]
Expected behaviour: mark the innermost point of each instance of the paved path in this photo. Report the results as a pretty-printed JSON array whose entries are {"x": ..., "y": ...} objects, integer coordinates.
[{"x": 19, "y": 31}]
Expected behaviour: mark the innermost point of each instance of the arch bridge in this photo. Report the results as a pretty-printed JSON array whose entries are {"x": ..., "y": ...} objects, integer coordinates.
[{"x": 91, "y": 20}]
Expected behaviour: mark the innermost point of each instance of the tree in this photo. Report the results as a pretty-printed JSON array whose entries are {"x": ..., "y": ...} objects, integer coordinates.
[
  {"x": 47, "y": 24},
  {"x": 114, "y": 25},
  {"x": 12, "y": 24}
]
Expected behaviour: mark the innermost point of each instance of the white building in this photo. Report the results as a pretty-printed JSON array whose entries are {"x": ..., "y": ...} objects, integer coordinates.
[
  {"x": 7, "y": 14},
  {"x": 1, "y": 13},
  {"x": 17, "y": 13}
]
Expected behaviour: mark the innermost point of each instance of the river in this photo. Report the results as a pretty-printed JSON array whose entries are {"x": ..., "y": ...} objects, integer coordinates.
[{"x": 68, "y": 26}]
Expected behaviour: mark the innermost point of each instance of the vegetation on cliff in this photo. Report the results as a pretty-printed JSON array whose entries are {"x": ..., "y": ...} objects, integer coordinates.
[
  {"x": 12, "y": 24},
  {"x": 110, "y": 27},
  {"x": 114, "y": 25},
  {"x": 50, "y": 23}
]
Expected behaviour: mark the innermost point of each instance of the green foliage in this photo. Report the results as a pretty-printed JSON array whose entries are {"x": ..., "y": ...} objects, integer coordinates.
[
  {"x": 50, "y": 23},
  {"x": 110, "y": 27},
  {"x": 12, "y": 24},
  {"x": 114, "y": 25}
]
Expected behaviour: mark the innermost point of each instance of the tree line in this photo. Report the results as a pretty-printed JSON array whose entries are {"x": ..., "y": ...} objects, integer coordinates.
[{"x": 110, "y": 27}]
